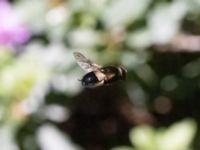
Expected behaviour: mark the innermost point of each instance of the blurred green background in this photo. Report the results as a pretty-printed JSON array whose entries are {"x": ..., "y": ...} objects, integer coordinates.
[{"x": 43, "y": 105}]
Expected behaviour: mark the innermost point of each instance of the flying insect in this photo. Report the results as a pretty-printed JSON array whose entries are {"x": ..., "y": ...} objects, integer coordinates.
[{"x": 96, "y": 74}]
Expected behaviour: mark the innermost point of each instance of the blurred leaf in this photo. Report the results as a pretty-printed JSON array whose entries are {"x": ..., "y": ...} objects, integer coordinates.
[
  {"x": 36, "y": 16},
  {"x": 191, "y": 69},
  {"x": 143, "y": 138},
  {"x": 7, "y": 138},
  {"x": 18, "y": 79},
  {"x": 46, "y": 136},
  {"x": 123, "y": 148},
  {"x": 165, "y": 19},
  {"x": 147, "y": 74},
  {"x": 139, "y": 39},
  {"x": 5, "y": 57},
  {"x": 169, "y": 83},
  {"x": 84, "y": 38},
  {"x": 124, "y": 12},
  {"x": 179, "y": 136}
]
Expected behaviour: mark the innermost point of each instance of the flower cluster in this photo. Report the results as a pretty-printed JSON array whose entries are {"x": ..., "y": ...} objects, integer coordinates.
[{"x": 12, "y": 30}]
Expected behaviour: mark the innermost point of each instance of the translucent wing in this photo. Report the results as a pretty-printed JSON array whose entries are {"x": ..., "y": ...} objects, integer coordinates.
[{"x": 85, "y": 63}]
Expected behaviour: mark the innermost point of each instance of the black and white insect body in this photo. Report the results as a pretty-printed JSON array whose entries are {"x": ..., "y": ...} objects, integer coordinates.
[{"x": 96, "y": 74}]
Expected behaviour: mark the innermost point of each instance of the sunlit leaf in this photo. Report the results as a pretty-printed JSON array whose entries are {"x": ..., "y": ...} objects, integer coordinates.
[
  {"x": 123, "y": 148},
  {"x": 143, "y": 138},
  {"x": 178, "y": 136}
]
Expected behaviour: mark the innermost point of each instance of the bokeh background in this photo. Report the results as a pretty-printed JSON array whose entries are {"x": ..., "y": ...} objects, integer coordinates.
[{"x": 43, "y": 105}]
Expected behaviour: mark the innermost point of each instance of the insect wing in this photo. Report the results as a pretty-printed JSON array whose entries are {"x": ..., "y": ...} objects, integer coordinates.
[{"x": 85, "y": 63}]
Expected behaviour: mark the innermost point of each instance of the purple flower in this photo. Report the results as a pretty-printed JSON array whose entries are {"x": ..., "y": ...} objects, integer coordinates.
[{"x": 12, "y": 31}]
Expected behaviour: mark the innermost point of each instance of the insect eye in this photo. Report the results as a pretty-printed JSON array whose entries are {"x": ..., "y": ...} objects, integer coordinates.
[{"x": 89, "y": 79}]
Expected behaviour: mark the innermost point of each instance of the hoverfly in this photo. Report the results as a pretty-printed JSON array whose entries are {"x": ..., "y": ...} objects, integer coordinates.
[{"x": 96, "y": 74}]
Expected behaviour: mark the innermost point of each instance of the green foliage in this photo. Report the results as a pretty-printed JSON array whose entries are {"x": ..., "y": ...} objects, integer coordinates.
[
  {"x": 176, "y": 137},
  {"x": 5, "y": 57}
]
